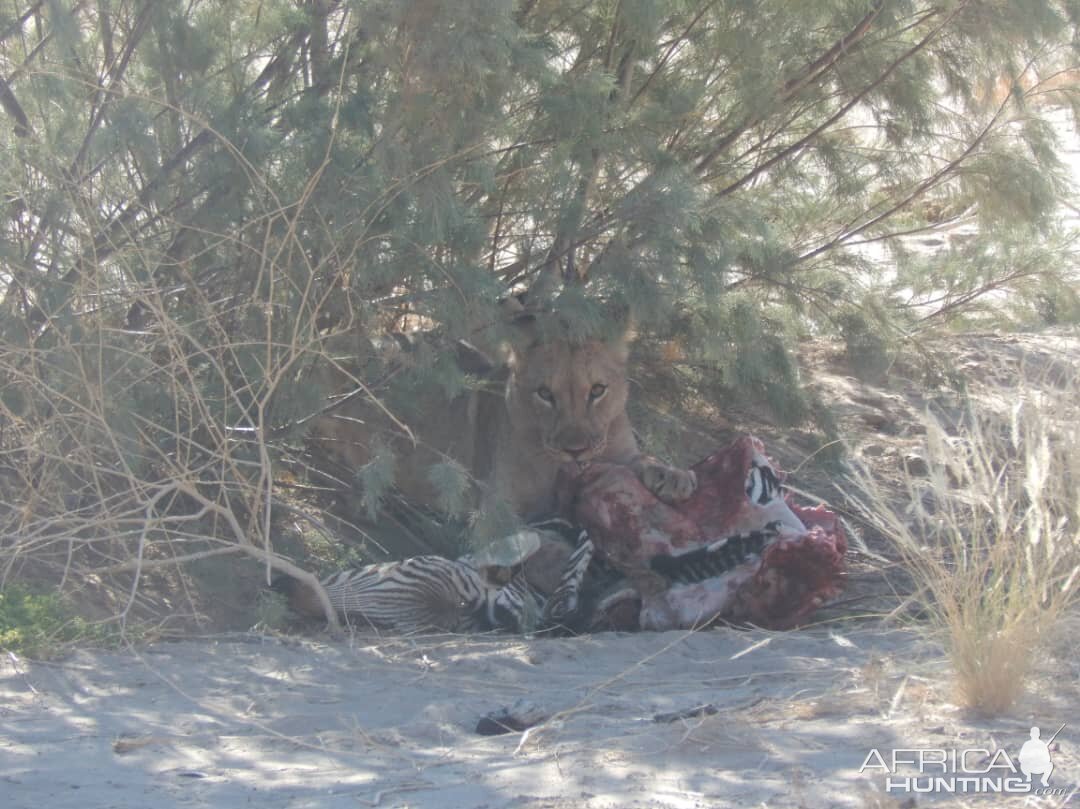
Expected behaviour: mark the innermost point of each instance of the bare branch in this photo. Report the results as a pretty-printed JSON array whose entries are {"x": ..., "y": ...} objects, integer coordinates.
[{"x": 13, "y": 108}]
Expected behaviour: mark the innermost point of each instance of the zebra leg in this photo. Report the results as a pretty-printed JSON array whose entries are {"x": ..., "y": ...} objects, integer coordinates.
[
  {"x": 515, "y": 607},
  {"x": 565, "y": 602}
]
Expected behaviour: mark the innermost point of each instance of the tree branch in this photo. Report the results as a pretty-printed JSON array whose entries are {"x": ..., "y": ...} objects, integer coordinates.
[
  {"x": 565, "y": 239},
  {"x": 802, "y": 79},
  {"x": 915, "y": 193},
  {"x": 844, "y": 109},
  {"x": 662, "y": 62},
  {"x": 13, "y": 108},
  {"x": 18, "y": 24}
]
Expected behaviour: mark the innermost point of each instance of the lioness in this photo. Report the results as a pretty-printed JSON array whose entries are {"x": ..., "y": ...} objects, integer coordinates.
[{"x": 562, "y": 405}]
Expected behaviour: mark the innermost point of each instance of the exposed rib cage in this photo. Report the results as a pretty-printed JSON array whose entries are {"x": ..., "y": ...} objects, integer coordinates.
[{"x": 714, "y": 559}]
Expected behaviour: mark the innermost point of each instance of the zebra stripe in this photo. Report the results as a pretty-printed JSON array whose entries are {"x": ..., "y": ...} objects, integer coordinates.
[
  {"x": 432, "y": 593},
  {"x": 714, "y": 559},
  {"x": 762, "y": 484},
  {"x": 515, "y": 607},
  {"x": 419, "y": 594},
  {"x": 565, "y": 602}
]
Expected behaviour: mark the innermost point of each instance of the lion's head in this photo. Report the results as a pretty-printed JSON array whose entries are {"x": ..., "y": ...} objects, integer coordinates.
[{"x": 564, "y": 396}]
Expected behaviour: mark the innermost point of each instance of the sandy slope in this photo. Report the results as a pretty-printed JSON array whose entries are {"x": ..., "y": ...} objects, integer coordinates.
[{"x": 250, "y": 720}]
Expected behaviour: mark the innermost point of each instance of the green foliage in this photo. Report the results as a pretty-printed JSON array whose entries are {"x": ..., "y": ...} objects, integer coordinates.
[
  {"x": 493, "y": 521},
  {"x": 40, "y": 624},
  {"x": 866, "y": 350},
  {"x": 271, "y": 610},
  {"x": 451, "y": 481},
  {"x": 375, "y": 478},
  {"x": 204, "y": 201}
]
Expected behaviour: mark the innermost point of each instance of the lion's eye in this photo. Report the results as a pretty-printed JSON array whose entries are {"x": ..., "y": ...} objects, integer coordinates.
[
  {"x": 545, "y": 394},
  {"x": 597, "y": 391}
]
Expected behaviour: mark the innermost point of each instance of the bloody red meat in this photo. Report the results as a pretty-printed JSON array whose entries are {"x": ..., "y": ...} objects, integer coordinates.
[{"x": 737, "y": 551}]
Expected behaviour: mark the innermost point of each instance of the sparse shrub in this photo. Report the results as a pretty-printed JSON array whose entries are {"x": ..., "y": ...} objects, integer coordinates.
[
  {"x": 991, "y": 533},
  {"x": 866, "y": 349},
  {"x": 208, "y": 212},
  {"x": 271, "y": 610},
  {"x": 39, "y": 625}
]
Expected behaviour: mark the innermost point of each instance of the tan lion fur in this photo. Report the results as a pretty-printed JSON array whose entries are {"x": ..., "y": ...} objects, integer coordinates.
[{"x": 557, "y": 403}]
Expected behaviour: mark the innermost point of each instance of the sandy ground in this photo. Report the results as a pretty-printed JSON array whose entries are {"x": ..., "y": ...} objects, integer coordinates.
[{"x": 256, "y": 720}]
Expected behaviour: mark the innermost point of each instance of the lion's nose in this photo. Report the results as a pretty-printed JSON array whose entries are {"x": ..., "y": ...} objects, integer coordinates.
[{"x": 576, "y": 452}]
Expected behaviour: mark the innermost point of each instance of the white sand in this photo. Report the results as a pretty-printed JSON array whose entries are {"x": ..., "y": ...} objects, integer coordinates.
[{"x": 251, "y": 720}]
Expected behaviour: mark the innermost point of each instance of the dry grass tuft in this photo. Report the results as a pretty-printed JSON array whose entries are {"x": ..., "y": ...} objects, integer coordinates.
[
  {"x": 991, "y": 534},
  {"x": 140, "y": 423}
]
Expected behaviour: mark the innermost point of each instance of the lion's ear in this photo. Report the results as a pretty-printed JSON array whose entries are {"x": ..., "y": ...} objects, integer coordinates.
[
  {"x": 512, "y": 305},
  {"x": 516, "y": 312},
  {"x": 623, "y": 330},
  {"x": 520, "y": 327}
]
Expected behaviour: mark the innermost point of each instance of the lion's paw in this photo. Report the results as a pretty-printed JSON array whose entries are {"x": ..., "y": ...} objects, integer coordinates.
[{"x": 666, "y": 482}]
